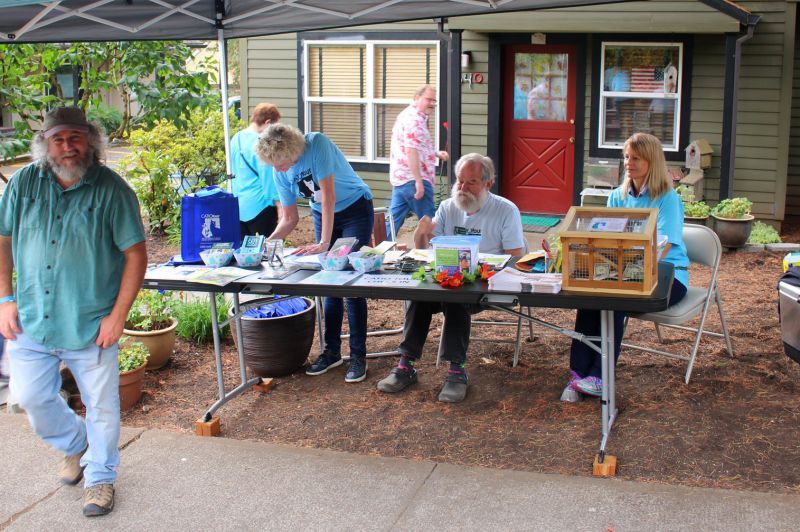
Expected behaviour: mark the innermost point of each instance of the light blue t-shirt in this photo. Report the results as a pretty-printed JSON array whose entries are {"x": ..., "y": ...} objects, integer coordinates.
[
  {"x": 254, "y": 182},
  {"x": 670, "y": 224},
  {"x": 321, "y": 158},
  {"x": 498, "y": 223}
]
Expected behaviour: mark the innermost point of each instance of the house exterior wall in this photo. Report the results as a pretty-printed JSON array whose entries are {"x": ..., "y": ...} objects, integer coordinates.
[{"x": 765, "y": 100}]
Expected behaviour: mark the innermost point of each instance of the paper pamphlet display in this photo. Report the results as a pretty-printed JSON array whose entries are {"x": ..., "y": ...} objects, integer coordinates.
[
  {"x": 511, "y": 280},
  {"x": 252, "y": 244},
  {"x": 219, "y": 276},
  {"x": 496, "y": 262},
  {"x": 174, "y": 273},
  {"x": 335, "y": 277}
]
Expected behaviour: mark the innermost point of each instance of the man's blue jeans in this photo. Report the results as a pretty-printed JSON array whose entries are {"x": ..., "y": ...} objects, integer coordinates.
[
  {"x": 36, "y": 384},
  {"x": 403, "y": 202},
  {"x": 356, "y": 220}
]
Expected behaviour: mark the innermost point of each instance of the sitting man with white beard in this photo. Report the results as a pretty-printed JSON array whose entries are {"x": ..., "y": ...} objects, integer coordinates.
[{"x": 471, "y": 210}]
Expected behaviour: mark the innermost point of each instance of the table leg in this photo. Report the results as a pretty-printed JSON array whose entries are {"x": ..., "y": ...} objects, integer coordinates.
[
  {"x": 608, "y": 399},
  {"x": 245, "y": 383}
]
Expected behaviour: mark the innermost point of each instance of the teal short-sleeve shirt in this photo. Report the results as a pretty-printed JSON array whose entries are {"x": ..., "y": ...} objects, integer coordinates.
[{"x": 68, "y": 250}]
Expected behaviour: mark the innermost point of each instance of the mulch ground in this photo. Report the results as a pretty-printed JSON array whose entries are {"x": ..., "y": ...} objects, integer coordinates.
[{"x": 735, "y": 425}]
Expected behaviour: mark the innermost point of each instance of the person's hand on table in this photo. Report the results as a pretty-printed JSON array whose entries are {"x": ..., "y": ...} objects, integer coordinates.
[
  {"x": 426, "y": 225},
  {"x": 312, "y": 249}
]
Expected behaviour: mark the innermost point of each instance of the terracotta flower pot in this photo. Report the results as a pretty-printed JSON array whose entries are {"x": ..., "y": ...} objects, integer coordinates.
[
  {"x": 130, "y": 387},
  {"x": 160, "y": 344},
  {"x": 275, "y": 347},
  {"x": 733, "y": 232}
]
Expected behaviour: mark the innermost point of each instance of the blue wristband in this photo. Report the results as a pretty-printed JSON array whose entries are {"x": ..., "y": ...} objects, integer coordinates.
[{"x": 7, "y": 299}]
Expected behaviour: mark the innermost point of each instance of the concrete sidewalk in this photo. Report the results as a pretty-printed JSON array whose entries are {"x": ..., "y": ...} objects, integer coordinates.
[{"x": 172, "y": 481}]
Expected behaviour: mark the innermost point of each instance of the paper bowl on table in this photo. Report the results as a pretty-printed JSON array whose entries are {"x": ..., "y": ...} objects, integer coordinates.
[
  {"x": 365, "y": 263},
  {"x": 217, "y": 258},
  {"x": 248, "y": 259},
  {"x": 330, "y": 262}
]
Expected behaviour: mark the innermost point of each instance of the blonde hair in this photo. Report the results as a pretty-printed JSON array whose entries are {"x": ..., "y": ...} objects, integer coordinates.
[
  {"x": 280, "y": 142},
  {"x": 649, "y": 148}
]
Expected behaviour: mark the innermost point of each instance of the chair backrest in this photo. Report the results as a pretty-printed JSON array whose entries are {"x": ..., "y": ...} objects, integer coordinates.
[
  {"x": 382, "y": 214},
  {"x": 702, "y": 245}
]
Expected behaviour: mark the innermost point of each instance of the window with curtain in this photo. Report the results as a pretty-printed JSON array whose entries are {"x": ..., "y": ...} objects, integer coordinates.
[
  {"x": 355, "y": 90},
  {"x": 640, "y": 91}
]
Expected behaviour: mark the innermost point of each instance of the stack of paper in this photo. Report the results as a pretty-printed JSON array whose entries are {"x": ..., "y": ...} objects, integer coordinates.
[{"x": 512, "y": 280}]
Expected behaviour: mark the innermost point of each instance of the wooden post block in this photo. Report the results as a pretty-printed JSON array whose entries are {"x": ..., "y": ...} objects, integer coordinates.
[
  {"x": 207, "y": 428},
  {"x": 265, "y": 385},
  {"x": 607, "y": 469}
]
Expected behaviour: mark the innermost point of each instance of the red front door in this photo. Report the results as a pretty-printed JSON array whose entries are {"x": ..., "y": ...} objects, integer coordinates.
[{"x": 539, "y": 127}]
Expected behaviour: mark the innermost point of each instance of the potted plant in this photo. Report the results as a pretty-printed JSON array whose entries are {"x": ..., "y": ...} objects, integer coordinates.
[
  {"x": 269, "y": 328},
  {"x": 733, "y": 221},
  {"x": 696, "y": 212},
  {"x": 132, "y": 361},
  {"x": 150, "y": 321}
]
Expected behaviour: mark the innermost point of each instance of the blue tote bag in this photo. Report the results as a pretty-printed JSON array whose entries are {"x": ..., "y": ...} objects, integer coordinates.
[{"x": 208, "y": 216}]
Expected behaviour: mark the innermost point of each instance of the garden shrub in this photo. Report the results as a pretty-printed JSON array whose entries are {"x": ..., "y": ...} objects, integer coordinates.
[
  {"x": 109, "y": 119},
  {"x": 194, "y": 319},
  {"x": 763, "y": 234}
]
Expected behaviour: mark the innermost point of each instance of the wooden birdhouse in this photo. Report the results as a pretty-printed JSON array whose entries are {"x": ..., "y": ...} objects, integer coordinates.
[
  {"x": 698, "y": 154},
  {"x": 694, "y": 183}
]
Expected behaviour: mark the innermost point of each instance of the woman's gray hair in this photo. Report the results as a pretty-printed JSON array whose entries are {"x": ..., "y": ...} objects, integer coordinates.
[
  {"x": 96, "y": 141},
  {"x": 487, "y": 166},
  {"x": 280, "y": 142}
]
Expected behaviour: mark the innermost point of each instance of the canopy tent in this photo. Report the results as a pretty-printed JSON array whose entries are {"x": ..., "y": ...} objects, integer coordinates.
[{"x": 121, "y": 20}]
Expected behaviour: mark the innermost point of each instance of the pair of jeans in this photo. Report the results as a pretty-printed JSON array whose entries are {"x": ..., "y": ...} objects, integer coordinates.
[
  {"x": 356, "y": 221},
  {"x": 403, "y": 202},
  {"x": 36, "y": 385},
  {"x": 455, "y": 333},
  {"x": 584, "y": 360}
]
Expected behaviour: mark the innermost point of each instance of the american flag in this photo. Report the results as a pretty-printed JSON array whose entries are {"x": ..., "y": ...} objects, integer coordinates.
[{"x": 647, "y": 79}]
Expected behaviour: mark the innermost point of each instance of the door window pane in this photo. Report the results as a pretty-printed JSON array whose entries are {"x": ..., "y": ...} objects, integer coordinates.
[{"x": 540, "y": 87}]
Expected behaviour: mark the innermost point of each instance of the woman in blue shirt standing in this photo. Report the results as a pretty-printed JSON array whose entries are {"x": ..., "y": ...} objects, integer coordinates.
[
  {"x": 312, "y": 167},
  {"x": 647, "y": 185},
  {"x": 253, "y": 183}
]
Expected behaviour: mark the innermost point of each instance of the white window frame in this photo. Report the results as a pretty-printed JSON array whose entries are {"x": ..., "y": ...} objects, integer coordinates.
[
  {"x": 677, "y": 96},
  {"x": 369, "y": 100}
]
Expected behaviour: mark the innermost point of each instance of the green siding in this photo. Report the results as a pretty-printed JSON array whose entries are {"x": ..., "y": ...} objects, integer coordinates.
[{"x": 769, "y": 68}]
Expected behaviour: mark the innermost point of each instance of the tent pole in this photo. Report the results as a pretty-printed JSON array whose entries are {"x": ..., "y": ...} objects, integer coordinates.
[{"x": 223, "y": 83}]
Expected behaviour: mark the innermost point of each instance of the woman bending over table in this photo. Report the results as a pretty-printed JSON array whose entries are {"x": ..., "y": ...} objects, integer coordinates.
[
  {"x": 647, "y": 185},
  {"x": 312, "y": 167}
]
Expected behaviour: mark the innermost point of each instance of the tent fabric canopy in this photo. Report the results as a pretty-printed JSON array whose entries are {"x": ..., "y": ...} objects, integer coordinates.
[{"x": 116, "y": 20}]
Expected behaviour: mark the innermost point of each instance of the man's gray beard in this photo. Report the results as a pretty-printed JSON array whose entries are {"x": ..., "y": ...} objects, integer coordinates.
[
  {"x": 72, "y": 175},
  {"x": 467, "y": 202}
]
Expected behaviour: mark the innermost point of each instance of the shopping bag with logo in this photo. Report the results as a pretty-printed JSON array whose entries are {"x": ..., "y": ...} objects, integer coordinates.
[{"x": 208, "y": 216}]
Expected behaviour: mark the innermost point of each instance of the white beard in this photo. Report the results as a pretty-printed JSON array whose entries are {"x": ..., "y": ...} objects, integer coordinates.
[
  {"x": 74, "y": 174},
  {"x": 467, "y": 202}
]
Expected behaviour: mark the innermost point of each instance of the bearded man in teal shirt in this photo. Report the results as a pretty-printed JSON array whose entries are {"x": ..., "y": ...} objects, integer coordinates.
[{"x": 72, "y": 230}]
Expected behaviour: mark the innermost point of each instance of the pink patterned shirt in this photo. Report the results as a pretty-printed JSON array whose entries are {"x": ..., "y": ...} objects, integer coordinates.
[{"x": 411, "y": 131}]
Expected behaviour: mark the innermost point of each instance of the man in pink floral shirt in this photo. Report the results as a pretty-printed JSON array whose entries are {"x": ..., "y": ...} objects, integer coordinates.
[{"x": 412, "y": 162}]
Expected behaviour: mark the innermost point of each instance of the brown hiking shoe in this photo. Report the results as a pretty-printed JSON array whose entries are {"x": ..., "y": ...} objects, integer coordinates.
[
  {"x": 70, "y": 471},
  {"x": 98, "y": 500}
]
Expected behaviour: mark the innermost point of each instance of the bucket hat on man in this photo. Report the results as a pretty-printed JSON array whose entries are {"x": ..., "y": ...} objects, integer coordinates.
[{"x": 65, "y": 119}]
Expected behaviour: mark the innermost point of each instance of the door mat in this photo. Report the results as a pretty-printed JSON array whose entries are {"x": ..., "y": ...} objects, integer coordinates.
[{"x": 538, "y": 224}]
